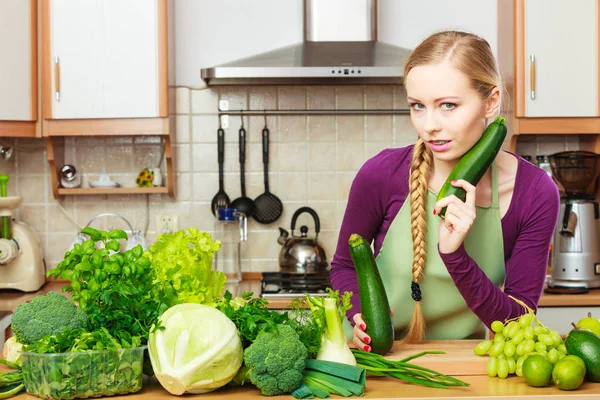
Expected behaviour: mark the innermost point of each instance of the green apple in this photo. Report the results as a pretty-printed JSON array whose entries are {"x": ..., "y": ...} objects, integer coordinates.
[{"x": 589, "y": 323}]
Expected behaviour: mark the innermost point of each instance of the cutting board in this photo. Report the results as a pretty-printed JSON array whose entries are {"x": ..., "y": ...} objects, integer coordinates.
[{"x": 458, "y": 360}]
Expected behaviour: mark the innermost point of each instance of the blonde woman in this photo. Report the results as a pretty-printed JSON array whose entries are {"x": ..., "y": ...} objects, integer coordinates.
[{"x": 444, "y": 277}]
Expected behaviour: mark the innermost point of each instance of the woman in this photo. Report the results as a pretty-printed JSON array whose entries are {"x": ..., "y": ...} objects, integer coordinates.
[{"x": 443, "y": 277}]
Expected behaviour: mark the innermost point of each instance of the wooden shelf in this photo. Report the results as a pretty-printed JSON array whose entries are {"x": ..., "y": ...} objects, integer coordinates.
[{"x": 117, "y": 190}]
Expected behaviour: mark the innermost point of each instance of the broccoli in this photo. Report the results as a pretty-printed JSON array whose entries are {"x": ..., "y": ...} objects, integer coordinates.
[
  {"x": 276, "y": 361},
  {"x": 46, "y": 315}
]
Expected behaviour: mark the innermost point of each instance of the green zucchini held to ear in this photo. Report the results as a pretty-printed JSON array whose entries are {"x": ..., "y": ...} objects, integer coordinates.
[{"x": 476, "y": 161}]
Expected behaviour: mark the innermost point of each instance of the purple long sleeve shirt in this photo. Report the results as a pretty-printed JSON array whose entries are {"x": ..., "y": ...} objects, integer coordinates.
[{"x": 381, "y": 187}]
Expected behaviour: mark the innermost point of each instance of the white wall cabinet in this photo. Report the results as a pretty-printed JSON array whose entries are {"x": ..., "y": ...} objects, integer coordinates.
[
  {"x": 560, "y": 58},
  {"x": 104, "y": 59},
  {"x": 18, "y": 69},
  {"x": 560, "y": 318}
]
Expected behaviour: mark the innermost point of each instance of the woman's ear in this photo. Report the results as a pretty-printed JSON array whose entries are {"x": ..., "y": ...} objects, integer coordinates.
[{"x": 492, "y": 106}]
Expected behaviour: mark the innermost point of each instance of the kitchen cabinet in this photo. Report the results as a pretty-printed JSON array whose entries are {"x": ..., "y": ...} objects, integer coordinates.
[
  {"x": 556, "y": 73},
  {"x": 18, "y": 69},
  {"x": 104, "y": 73},
  {"x": 104, "y": 59}
]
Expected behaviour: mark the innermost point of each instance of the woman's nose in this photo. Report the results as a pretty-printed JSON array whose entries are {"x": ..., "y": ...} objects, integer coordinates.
[{"x": 431, "y": 123}]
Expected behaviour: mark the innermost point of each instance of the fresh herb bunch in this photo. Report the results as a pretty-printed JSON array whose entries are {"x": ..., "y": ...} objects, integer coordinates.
[
  {"x": 114, "y": 289},
  {"x": 252, "y": 316}
]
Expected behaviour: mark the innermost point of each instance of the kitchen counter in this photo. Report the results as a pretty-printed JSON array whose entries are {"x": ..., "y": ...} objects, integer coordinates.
[
  {"x": 9, "y": 300},
  {"x": 459, "y": 361}
]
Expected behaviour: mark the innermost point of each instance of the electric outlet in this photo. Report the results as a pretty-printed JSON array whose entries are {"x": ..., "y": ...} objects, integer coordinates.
[{"x": 167, "y": 223}]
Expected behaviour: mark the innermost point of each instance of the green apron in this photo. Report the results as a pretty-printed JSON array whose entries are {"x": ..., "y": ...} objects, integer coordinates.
[{"x": 444, "y": 309}]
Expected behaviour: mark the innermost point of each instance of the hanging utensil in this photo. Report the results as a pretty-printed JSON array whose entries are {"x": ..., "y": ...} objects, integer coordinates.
[
  {"x": 221, "y": 200},
  {"x": 268, "y": 206},
  {"x": 243, "y": 204}
]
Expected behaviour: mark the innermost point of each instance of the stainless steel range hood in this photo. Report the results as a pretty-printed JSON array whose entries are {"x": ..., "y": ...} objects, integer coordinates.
[{"x": 340, "y": 47}]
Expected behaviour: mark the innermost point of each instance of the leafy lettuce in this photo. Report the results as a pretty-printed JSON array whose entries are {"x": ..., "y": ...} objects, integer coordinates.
[{"x": 182, "y": 267}]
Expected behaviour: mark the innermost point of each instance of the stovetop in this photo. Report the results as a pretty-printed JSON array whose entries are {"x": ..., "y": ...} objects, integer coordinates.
[{"x": 280, "y": 284}]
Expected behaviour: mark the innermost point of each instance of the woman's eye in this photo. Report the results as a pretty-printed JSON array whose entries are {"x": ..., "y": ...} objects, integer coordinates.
[
  {"x": 448, "y": 106},
  {"x": 416, "y": 106}
]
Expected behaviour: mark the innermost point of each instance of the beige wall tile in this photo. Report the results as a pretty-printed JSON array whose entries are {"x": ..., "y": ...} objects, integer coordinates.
[
  {"x": 374, "y": 148},
  {"x": 237, "y": 97},
  {"x": 261, "y": 266},
  {"x": 379, "y": 128},
  {"x": 400, "y": 98},
  {"x": 8, "y": 167},
  {"x": 205, "y": 186},
  {"x": 58, "y": 245},
  {"x": 321, "y": 128},
  {"x": 35, "y": 216},
  {"x": 292, "y": 129},
  {"x": 90, "y": 206},
  {"x": 262, "y": 98},
  {"x": 171, "y": 98},
  {"x": 324, "y": 210},
  {"x": 320, "y": 184},
  {"x": 350, "y": 97},
  {"x": 182, "y": 100},
  {"x": 292, "y": 97},
  {"x": 58, "y": 221},
  {"x": 322, "y": 156},
  {"x": 204, "y": 157},
  {"x": 344, "y": 182},
  {"x": 379, "y": 97},
  {"x": 32, "y": 162},
  {"x": 262, "y": 245},
  {"x": 328, "y": 240},
  {"x": 351, "y": 128},
  {"x": 289, "y": 208},
  {"x": 204, "y": 129},
  {"x": 182, "y": 157},
  {"x": 255, "y": 126},
  {"x": 350, "y": 156},
  {"x": 204, "y": 101},
  {"x": 404, "y": 131},
  {"x": 32, "y": 188},
  {"x": 321, "y": 97},
  {"x": 293, "y": 186},
  {"x": 293, "y": 156},
  {"x": 182, "y": 128}
]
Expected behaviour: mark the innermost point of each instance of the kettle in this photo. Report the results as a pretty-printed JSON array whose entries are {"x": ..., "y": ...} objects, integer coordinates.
[{"x": 302, "y": 254}]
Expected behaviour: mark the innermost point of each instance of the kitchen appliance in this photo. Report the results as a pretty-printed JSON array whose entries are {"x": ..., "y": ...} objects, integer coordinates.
[
  {"x": 302, "y": 254},
  {"x": 576, "y": 246},
  {"x": 21, "y": 262},
  {"x": 281, "y": 284},
  {"x": 340, "y": 47}
]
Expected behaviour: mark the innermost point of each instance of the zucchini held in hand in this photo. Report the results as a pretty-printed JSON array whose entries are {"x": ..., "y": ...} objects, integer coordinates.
[
  {"x": 374, "y": 304},
  {"x": 476, "y": 161}
]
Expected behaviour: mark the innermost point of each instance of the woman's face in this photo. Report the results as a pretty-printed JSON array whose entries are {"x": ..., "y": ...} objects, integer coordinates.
[{"x": 448, "y": 114}]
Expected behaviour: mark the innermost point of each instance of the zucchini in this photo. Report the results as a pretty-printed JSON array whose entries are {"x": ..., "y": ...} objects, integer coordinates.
[
  {"x": 374, "y": 303},
  {"x": 476, "y": 161}
]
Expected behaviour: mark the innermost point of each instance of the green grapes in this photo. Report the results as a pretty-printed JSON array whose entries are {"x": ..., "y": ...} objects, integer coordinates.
[{"x": 514, "y": 340}]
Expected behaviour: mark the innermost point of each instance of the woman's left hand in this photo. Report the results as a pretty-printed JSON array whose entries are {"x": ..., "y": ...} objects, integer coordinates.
[{"x": 458, "y": 219}]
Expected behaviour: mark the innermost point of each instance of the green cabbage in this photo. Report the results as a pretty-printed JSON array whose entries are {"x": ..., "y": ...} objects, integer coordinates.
[{"x": 198, "y": 351}]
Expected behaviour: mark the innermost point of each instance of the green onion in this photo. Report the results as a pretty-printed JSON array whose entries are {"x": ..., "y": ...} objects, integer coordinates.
[{"x": 377, "y": 365}]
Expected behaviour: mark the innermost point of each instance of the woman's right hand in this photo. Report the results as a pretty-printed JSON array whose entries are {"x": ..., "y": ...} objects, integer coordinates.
[{"x": 360, "y": 338}]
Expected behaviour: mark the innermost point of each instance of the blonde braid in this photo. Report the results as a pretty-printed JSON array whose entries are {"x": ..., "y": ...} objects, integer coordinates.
[{"x": 419, "y": 183}]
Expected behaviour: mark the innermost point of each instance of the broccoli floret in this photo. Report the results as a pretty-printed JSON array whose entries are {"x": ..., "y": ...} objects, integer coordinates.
[
  {"x": 46, "y": 315},
  {"x": 276, "y": 360}
]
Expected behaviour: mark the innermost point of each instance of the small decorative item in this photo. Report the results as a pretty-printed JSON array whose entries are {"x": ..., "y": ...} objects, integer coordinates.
[
  {"x": 69, "y": 177},
  {"x": 157, "y": 180},
  {"x": 145, "y": 178}
]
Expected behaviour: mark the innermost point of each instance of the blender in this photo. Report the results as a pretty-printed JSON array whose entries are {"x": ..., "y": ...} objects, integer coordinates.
[
  {"x": 576, "y": 245},
  {"x": 21, "y": 261}
]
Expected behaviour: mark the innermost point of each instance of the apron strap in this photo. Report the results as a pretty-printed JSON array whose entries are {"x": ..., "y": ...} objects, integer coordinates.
[{"x": 495, "y": 196}]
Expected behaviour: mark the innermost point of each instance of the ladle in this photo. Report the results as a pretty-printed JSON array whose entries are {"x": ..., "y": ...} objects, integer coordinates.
[{"x": 243, "y": 204}]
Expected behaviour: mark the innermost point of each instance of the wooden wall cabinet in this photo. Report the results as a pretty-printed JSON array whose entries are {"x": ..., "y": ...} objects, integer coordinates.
[
  {"x": 556, "y": 72},
  {"x": 18, "y": 69},
  {"x": 104, "y": 72}
]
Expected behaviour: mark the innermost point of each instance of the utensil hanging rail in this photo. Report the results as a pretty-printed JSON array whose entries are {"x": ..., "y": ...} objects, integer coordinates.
[{"x": 400, "y": 111}]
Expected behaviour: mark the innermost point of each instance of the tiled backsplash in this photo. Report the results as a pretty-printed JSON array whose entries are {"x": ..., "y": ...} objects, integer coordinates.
[{"x": 313, "y": 160}]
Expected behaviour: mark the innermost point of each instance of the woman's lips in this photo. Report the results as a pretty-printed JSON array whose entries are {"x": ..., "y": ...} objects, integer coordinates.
[{"x": 439, "y": 145}]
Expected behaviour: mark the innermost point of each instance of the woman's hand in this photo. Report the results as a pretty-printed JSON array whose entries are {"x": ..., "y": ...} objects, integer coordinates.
[
  {"x": 458, "y": 219},
  {"x": 361, "y": 339}
]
